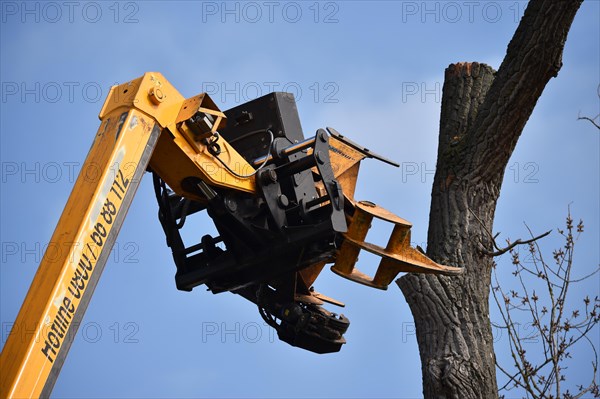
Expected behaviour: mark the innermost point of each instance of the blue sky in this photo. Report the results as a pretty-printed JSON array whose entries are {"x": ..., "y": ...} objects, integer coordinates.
[{"x": 373, "y": 70}]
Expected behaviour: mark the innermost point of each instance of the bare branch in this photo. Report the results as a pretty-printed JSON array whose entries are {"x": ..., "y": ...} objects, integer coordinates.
[
  {"x": 514, "y": 244},
  {"x": 558, "y": 330},
  {"x": 500, "y": 251},
  {"x": 592, "y": 120}
]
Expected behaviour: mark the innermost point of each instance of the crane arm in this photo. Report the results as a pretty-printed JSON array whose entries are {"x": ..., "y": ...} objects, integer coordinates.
[{"x": 131, "y": 122}]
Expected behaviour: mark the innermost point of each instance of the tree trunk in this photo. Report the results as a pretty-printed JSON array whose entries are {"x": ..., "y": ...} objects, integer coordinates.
[{"x": 483, "y": 114}]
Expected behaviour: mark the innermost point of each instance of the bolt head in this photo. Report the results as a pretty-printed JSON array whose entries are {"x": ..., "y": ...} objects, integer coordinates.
[
  {"x": 268, "y": 176},
  {"x": 156, "y": 95},
  {"x": 283, "y": 201},
  {"x": 320, "y": 158}
]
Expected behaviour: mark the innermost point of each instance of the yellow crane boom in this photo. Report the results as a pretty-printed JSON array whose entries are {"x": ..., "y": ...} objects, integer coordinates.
[{"x": 63, "y": 286}]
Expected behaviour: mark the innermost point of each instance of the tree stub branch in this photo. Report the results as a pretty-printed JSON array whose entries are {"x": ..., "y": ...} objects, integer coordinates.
[{"x": 501, "y": 251}]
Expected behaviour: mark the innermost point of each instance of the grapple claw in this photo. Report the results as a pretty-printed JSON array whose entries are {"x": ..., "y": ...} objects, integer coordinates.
[{"x": 398, "y": 255}]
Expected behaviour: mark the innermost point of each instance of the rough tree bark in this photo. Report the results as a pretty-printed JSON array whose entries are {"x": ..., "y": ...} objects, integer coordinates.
[{"x": 483, "y": 114}]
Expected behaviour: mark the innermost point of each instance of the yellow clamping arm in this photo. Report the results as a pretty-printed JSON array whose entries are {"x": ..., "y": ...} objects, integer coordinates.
[
  {"x": 398, "y": 256},
  {"x": 143, "y": 121}
]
